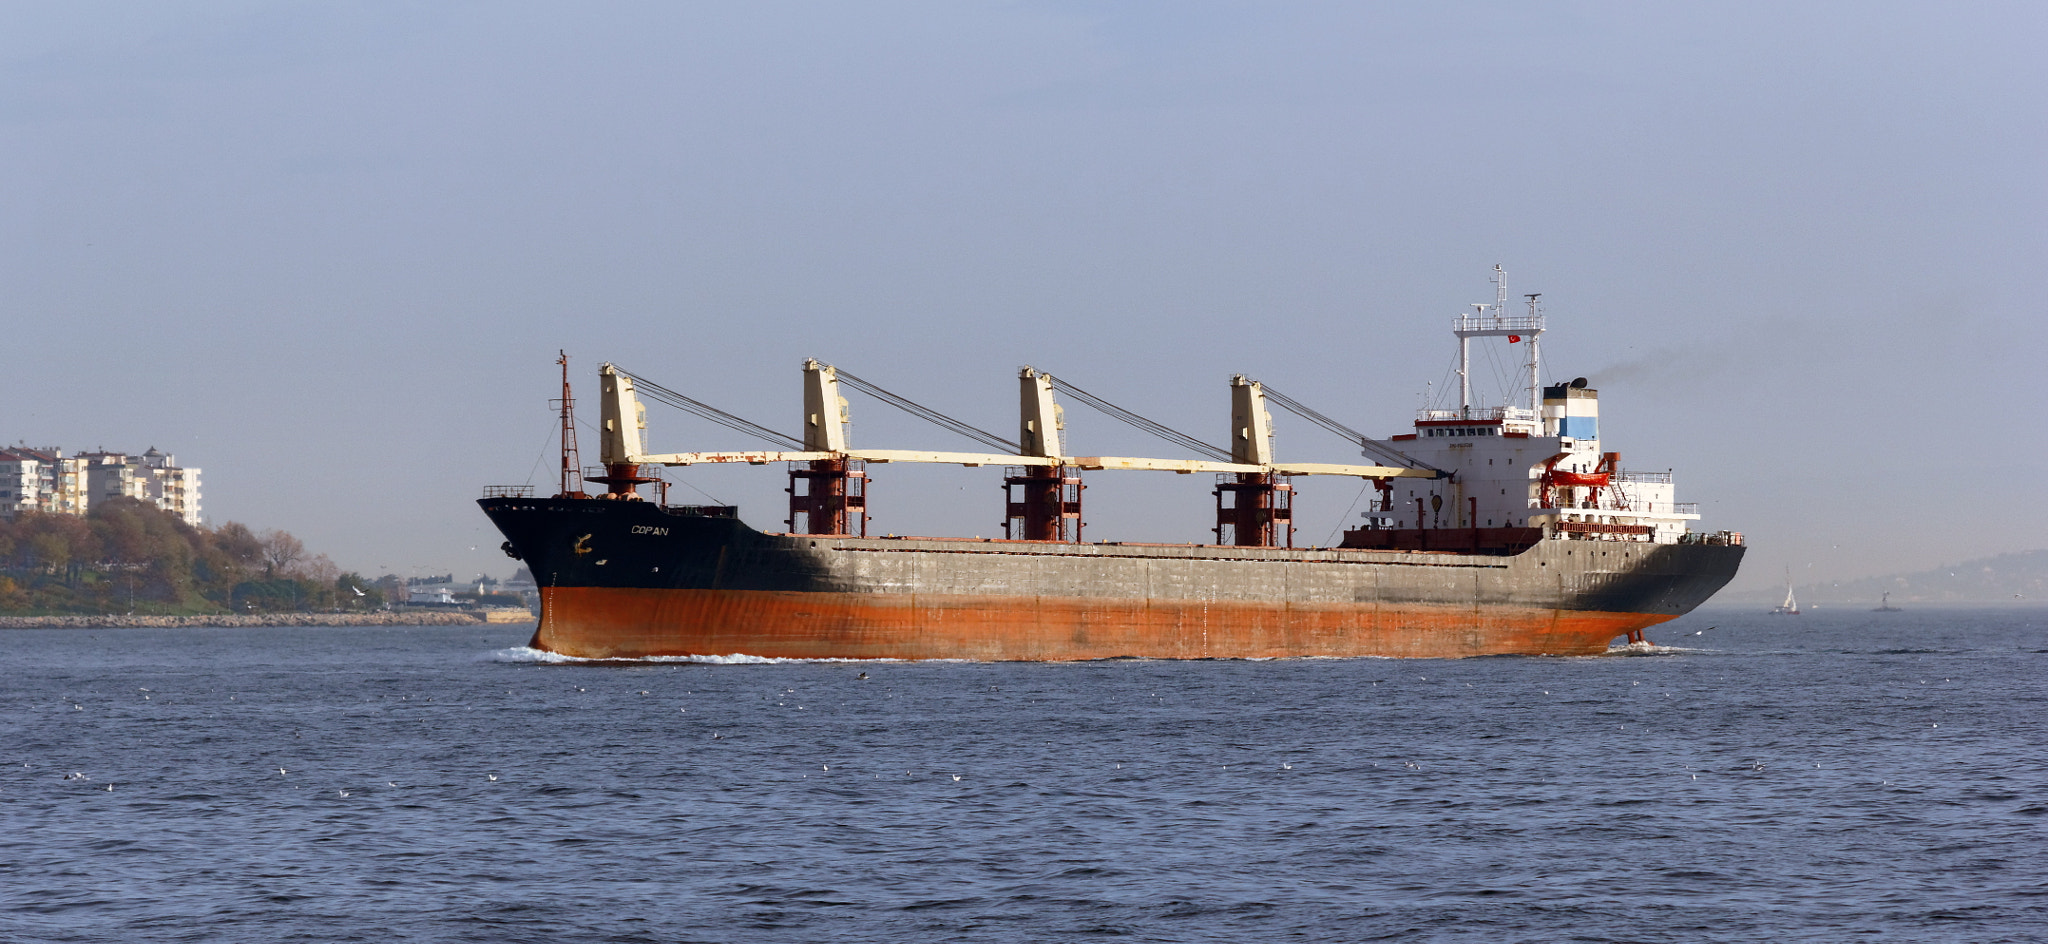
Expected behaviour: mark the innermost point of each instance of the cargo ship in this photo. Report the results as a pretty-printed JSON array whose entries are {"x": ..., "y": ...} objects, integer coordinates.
[{"x": 1503, "y": 530}]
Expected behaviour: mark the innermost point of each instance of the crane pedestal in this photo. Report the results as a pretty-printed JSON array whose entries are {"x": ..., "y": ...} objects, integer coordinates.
[
  {"x": 1042, "y": 503},
  {"x": 1254, "y": 509},
  {"x": 829, "y": 496}
]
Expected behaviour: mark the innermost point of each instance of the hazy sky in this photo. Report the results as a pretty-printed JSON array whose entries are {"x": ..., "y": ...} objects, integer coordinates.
[{"x": 327, "y": 252}]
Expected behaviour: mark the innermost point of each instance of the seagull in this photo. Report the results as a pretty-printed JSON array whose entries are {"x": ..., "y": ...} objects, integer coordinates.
[
  {"x": 1286, "y": 766},
  {"x": 956, "y": 778},
  {"x": 280, "y": 771},
  {"x": 825, "y": 767},
  {"x": 110, "y": 788},
  {"x": 494, "y": 778},
  {"x": 344, "y": 793},
  {"x": 863, "y": 676},
  {"x": 391, "y": 783}
]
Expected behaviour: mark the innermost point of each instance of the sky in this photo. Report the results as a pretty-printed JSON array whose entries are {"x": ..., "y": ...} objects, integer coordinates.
[{"x": 328, "y": 252}]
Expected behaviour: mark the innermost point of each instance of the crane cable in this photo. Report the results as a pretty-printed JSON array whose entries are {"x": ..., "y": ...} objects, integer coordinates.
[
  {"x": 1160, "y": 430},
  {"x": 710, "y": 412},
  {"x": 1378, "y": 449},
  {"x": 928, "y": 414}
]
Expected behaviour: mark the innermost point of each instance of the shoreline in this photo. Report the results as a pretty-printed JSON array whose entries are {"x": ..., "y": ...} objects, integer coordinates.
[{"x": 231, "y": 620}]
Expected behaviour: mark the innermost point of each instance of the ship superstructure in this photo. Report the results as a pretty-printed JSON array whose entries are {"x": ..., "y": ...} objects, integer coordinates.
[
  {"x": 1521, "y": 472},
  {"x": 1493, "y": 530}
]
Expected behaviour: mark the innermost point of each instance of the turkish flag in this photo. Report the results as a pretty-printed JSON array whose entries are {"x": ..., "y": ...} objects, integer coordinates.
[{"x": 1512, "y": 338}]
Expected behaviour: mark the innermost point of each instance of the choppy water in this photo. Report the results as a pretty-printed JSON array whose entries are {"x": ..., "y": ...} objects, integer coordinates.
[{"x": 1834, "y": 776}]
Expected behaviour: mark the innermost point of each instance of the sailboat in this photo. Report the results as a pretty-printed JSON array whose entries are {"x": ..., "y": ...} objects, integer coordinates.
[
  {"x": 1791, "y": 605},
  {"x": 1884, "y": 605}
]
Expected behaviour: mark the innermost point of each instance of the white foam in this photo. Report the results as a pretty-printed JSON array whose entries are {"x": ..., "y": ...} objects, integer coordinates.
[
  {"x": 530, "y": 654},
  {"x": 1651, "y": 649},
  {"x": 743, "y": 659}
]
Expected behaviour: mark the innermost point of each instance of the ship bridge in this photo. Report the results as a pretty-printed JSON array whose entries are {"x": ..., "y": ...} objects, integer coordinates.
[{"x": 1521, "y": 471}]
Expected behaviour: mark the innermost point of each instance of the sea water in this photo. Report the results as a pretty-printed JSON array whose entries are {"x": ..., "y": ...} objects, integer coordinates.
[{"x": 1838, "y": 775}]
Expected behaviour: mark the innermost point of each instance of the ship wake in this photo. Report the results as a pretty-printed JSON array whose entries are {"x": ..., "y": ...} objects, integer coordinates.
[{"x": 528, "y": 654}]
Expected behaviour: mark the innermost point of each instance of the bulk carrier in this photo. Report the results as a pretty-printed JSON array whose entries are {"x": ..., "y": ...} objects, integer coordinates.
[{"x": 1491, "y": 531}]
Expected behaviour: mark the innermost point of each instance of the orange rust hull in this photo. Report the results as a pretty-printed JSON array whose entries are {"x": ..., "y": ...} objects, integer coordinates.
[{"x": 626, "y": 623}]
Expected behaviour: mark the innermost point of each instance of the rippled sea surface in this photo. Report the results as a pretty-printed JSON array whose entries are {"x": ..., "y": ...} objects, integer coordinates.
[{"x": 1834, "y": 776}]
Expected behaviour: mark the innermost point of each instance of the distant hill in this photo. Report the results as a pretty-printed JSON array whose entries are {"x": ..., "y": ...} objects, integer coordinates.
[{"x": 2020, "y": 578}]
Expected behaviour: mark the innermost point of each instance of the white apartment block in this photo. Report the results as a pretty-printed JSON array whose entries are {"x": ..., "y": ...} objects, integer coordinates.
[
  {"x": 45, "y": 480},
  {"x": 40, "y": 480}
]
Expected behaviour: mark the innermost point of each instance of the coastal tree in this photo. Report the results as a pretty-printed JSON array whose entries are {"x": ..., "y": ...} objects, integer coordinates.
[
  {"x": 280, "y": 551},
  {"x": 127, "y": 554}
]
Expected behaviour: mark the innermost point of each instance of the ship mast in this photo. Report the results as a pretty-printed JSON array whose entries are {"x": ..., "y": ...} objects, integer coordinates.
[
  {"x": 1493, "y": 321},
  {"x": 1535, "y": 356},
  {"x": 571, "y": 458}
]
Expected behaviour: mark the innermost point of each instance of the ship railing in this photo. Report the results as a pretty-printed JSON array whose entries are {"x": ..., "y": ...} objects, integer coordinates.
[
  {"x": 1714, "y": 538},
  {"x": 1644, "y": 478},
  {"x": 1641, "y": 508},
  {"x": 1501, "y": 323},
  {"x": 1512, "y": 414},
  {"x": 508, "y": 491}
]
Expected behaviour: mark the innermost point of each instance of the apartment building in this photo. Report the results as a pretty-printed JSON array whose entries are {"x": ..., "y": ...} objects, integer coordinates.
[
  {"x": 41, "y": 480},
  {"x": 48, "y": 481}
]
